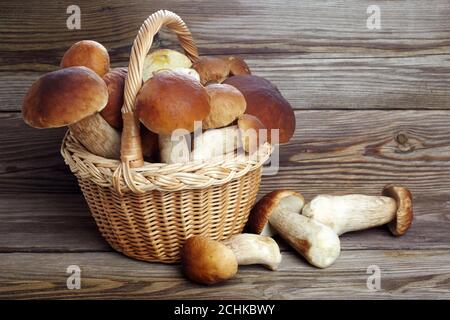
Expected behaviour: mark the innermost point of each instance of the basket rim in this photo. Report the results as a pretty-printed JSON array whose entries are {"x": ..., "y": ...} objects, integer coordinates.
[{"x": 159, "y": 176}]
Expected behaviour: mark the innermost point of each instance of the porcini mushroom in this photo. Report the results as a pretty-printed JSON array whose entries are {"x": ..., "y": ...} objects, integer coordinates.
[
  {"x": 166, "y": 59},
  {"x": 216, "y": 69},
  {"x": 169, "y": 103},
  {"x": 224, "y": 141},
  {"x": 115, "y": 82},
  {"x": 316, "y": 242},
  {"x": 227, "y": 104},
  {"x": 207, "y": 261},
  {"x": 255, "y": 249},
  {"x": 358, "y": 212},
  {"x": 87, "y": 53},
  {"x": 73, "y": 97},
  {"x": 265, "y": 102}
]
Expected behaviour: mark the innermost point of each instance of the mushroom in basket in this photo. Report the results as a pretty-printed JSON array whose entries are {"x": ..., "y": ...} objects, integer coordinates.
[
  {"x": 168, "y": 104},
  {"x": 73, "y": 97},
  {"x": 216, "y": 69}
]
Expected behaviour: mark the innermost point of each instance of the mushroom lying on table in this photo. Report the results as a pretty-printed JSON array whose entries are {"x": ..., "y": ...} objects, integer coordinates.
[
  {"x": 168, "y": 104},
  {"x": 358, "y": 212},
  {"x": 207, "y": 261},
  {"x": 73, "y": 97},
  {"x": 316, "y": 242}
]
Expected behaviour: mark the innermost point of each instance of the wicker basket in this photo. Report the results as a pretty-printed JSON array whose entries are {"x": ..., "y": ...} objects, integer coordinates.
[{"x": 147, "y": 210}]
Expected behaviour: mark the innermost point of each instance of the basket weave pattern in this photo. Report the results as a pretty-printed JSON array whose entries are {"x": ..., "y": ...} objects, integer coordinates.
[{"x": 147, "y": 210}]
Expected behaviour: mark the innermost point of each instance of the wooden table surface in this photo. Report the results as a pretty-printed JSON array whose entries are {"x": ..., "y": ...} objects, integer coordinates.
[{"x": 372, "y": 107}]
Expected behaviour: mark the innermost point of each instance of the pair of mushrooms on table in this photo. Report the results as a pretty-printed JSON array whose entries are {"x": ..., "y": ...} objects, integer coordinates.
[
  {"x": 218, "y": 92},
  {"x": 313, "y": 230}
]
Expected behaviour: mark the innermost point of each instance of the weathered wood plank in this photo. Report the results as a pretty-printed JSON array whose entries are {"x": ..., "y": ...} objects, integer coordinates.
[
  {"x": 404, "y": 274},
  {"x": 62, "y": 223},
  {"x": 334, "y": 60},
  {"x": 420, "y": 82},
  {"x": 332, "y": 152},
  {"x": 260, "y": 26}
]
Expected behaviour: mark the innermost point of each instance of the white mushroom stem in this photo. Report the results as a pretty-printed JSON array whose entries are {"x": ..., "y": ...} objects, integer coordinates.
[
  {"x": 351, "y": 212},
  {"x": 316, "y": 242},
  {"x": 255, "y": 249},
  {"x": 97, "y": 136},
  {"x": 216, "y": 143},
  {"x": 174, "y": 148}
]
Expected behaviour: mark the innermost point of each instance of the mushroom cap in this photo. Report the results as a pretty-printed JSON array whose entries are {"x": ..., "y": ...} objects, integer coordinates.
[
  {"x": 164, "y": 59},
  {"x": 63, "y": 97},
  {"x": 404, "y": 216},
  {"x": 249, "y": 127},
  {"x": 265, "y": 102},
  {"x": 171, "y": 100},
  {"x": 278, "y": 199},
  {"x": 115, "y": 81},
  {"x": 187, "y": 71},
  {"x": 237, "y": 66},
  {"x": 207, "y": 261},
  {"x": 212, "y": 69},
  {"x": 87, "y": 53},
  {"x": 227, "y": 103}
]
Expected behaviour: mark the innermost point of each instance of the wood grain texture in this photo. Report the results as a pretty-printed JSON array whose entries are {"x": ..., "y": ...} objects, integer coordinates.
[
  {"x": 321, "y": 56},
  {"x": 404, "y": 274},
  {"x": 334, "y": 152}
]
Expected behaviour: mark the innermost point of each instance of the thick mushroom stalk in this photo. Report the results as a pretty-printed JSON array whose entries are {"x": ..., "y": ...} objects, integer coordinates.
[
  {"x": 97, "y": 136},
  {"x": 73, "y": 97},
  {"x": 247, "y": 134},
  {"x": 174, "y": 148},
  {"x": 255, "y": 249},
  {"x": 316, "y": 242},
  {"x": 358, "y": 212}
]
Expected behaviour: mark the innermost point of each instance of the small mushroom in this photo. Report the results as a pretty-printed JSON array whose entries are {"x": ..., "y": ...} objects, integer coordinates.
[
  {"x": 358, "y": 212},
  {"x": 227, "y": 104},
  {"x": 89, "y": 54},
  {"x": 208, "y": 261},
  {"x": 265, "y": 102},
  {"x": 224, "y": 141},
  {"x": 214, "y": 69},
  {"x": 316, "y": 242},
  {"x": 73, "y": 97},
  {"x": 115, "y": 82},
  {"x": 168, "y": 104},
  {"x": 166, "y": 59},
  {"x": 255, "y": 249}
]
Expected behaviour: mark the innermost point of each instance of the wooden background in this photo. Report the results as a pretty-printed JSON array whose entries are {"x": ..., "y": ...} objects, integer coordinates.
[{"x": 372, "y": 107}]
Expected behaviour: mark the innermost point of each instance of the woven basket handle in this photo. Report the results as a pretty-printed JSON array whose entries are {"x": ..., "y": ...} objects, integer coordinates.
[{"x": 131, "y": 149}]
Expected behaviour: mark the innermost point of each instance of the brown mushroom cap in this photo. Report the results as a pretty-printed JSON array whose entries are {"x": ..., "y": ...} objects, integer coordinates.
[
  {"x": 207, "y": 261},
  {"x": 249, "y": 127},
  {"x": 237, "y": 66},
  {"x": 265, "y": 102},
  {"x": 404, "y": 216},
  {"x": 63, "y": 97},
  {"x": 115, "y": 81},
  {"x": 212, "y": 69},
  {"x": 87, "y": 53},
  {"x": 261, "y": 212},
  {"x": 227, "y": 103},
  {"x": 171, "y": 100}
]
